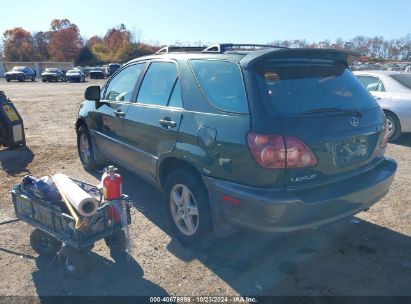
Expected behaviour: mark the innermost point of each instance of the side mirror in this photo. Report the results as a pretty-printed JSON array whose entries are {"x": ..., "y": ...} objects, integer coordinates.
[{"x": 92, "y": 93}]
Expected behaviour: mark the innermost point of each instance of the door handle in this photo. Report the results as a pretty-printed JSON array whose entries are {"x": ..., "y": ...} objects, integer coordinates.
[
  {"x": 167, "y": 122},
  {"x": 119, "y": 114}
]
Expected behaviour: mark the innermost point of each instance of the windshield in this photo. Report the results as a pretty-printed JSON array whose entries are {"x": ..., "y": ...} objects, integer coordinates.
[
  {"x": 294, "y": 87},
  {"x": 404, "y": 79},
  {"x": 19, "y": 69},
  {"x": 73, "y": 72},
  {"x": 113, "y": 66},
  {"x": 51, "y": 70}
]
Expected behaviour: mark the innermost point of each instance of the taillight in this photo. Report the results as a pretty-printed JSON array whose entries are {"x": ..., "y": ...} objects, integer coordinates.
[
  {"x": 298, "y": 154},
  {"x": 276, "y": 151}
]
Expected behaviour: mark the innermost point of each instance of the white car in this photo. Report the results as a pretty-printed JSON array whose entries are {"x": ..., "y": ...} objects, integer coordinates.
[{"x": 392, "y": 90}]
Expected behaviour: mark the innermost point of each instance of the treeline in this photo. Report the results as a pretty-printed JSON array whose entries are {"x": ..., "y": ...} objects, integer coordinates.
[
  {"x": 63, "y": 42},
  {"x": 376, "y": 47}
]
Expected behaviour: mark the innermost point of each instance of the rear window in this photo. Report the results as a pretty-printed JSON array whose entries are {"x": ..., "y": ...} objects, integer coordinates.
[
  {"x": 291, "y": 88},
  {"x": 222, "y": 83},
  {"x": 404, "y": 79}
]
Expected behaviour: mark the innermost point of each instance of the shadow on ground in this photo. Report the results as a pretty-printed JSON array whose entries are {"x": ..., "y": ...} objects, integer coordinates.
[
  {"x": 351, "y": 257},
  {"x": 105, "y": 278},
  {"x": 404, "y": 140},
  {"x": 16, "y": 161}
]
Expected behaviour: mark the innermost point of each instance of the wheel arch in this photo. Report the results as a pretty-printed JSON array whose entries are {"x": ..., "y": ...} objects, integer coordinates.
[
  {"x": 170, "y": 164},
  {"x": 80, "y": 122}
]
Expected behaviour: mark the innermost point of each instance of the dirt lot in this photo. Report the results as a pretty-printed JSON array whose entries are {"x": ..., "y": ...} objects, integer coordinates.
[{"x": 369, "y": 257}]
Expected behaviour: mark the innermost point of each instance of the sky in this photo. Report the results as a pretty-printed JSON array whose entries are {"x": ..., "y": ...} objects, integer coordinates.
[{"x": 212, "y": 21}]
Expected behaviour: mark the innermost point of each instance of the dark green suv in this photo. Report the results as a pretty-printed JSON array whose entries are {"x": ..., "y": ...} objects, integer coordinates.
[{"x": 267, "y": 138}]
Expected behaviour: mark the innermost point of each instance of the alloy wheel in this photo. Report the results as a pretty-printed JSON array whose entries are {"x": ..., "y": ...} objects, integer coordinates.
[
  {"x": 391, "y": 127},
  {"x": 84, "y": 148},
  {"x": 184, "y": 209}
]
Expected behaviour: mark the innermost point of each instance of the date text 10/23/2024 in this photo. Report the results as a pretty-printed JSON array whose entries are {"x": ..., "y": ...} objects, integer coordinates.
[{"x": 203, "y": 299}]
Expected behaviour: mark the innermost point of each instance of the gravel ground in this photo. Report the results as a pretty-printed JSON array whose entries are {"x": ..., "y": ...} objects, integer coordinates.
[{"x": 369, "y": 254}]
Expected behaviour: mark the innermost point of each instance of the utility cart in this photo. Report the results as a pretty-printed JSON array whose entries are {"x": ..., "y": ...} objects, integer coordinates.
[{"x": 55, "y": 232}]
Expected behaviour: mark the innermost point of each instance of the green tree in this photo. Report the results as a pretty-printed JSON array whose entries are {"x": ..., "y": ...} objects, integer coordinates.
[{"x": 86, "y": 57}]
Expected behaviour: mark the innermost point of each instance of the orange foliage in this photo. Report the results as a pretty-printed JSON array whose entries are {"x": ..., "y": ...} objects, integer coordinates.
[
  {"x": 65, "y": 41},
  {"x": 18, "y": 45}
]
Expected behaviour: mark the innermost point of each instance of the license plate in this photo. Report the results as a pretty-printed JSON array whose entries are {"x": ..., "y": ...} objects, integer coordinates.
[{"x": 347, "y": 152}]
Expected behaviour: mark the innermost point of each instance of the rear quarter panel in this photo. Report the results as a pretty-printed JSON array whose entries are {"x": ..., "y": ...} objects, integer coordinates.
[{"x": 400, "y": 105}]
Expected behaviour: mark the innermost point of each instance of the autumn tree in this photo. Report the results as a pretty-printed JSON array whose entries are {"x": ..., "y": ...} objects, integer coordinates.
[
  {"x": 65, "y": 41},
  {"x": 117, "y": 42},
  {"x": 18, "y": 45},
  {"x": 94, "y": 40},
  {"x": 41, "y": 45}
]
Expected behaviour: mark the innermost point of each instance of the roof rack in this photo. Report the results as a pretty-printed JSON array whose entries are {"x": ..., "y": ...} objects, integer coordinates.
[
  {"x": 227, "y": 47},
  {"x": 177, "y": 49}
]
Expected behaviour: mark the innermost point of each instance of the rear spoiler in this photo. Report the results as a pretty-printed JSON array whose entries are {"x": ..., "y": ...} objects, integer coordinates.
[{"x": 303, "y": 53}]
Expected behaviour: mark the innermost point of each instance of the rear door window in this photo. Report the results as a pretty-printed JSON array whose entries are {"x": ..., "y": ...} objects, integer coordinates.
[
  {"x": 158, "y": 83},
  {"x": 175, "y": 99},
  {"x": 222, "y": 84},
  {"x": 371, "y": 83},
  {"x": 293, "y": 87}
]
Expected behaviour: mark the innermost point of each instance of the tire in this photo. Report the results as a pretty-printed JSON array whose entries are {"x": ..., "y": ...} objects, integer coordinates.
[
  {"x": 8, "y": 79},
  {"x": 74, "y": 262},
  {"x": 44, "y": 244},
  {"x": 85, "y": 149},
  {"x": 23, "y": 78},
  {"x": 190, "y": 218},
  {"x": 116, "y": 242},
  {"x": 44, "y": 80},
  {"x": 394, "y": 124},
  {"x": 33, "y": 78}
]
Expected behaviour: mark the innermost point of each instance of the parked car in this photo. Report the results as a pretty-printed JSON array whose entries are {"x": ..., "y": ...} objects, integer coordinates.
[
  {"x": 392, "y": 90},
  {"x": 20, "y": 73},
  {"x": 273, "y": 139},
  {"x": 97, "y": 73},
  {"x": 75, "y": 76},
  {"x": 111, "y": 69},
  {"x": 53, "y": 74}
]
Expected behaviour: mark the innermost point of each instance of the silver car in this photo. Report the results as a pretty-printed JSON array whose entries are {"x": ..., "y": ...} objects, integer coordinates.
[{"x": 392, "y": 90}]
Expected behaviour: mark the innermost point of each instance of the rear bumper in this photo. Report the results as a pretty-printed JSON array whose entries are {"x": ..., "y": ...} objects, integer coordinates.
[
  {"x": 73, "y": 79},
  {"x": 14, "y": 76},
  {"x": 50, "y": 77},
  {"x": 96, "y": 75},
  {"x": 282, "y": 210}
]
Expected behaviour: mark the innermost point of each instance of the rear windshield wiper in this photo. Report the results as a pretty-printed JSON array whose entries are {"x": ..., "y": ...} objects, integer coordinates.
[{"x": 332, "y": 110}]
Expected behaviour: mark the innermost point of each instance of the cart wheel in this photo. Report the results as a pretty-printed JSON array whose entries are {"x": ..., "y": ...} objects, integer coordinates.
[
  {"x": 73, "y": 261},
  {"x": 43, "y": 243},
  {"x": 117, "y": 244}
]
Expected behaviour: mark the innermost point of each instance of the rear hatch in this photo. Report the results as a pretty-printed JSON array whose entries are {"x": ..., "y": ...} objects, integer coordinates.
[{"x": 321, "y": 111}]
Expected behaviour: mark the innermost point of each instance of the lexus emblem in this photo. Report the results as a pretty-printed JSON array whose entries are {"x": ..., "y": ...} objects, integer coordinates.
[{"x": 355, "y": 122}]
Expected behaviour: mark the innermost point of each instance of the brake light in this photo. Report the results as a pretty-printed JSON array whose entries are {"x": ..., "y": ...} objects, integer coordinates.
[
  {"x": 280, "y": 152},
  {"x": 298, "y": 154}
]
